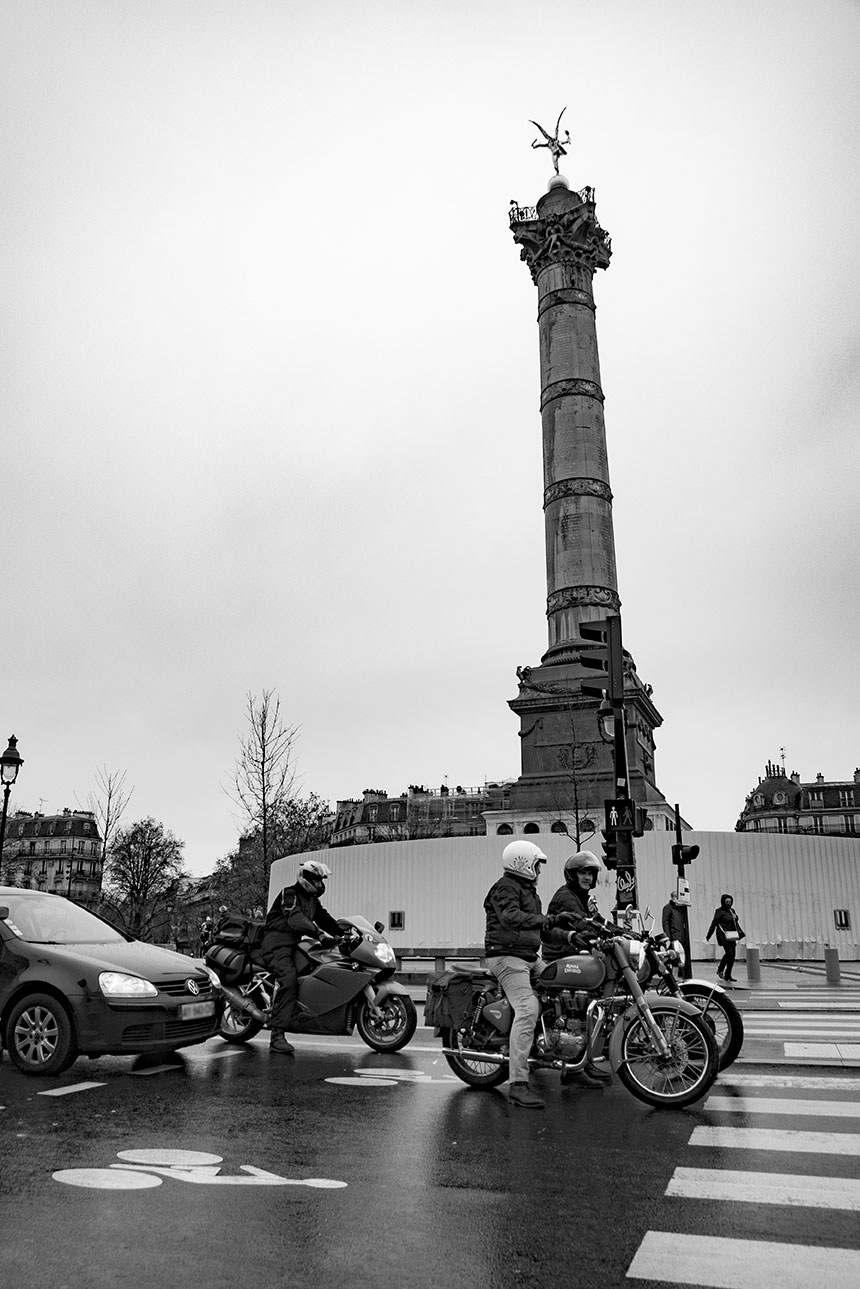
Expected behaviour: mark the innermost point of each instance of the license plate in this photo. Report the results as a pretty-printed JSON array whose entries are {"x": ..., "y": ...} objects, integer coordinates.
[{"x": 194, "y": 1011}]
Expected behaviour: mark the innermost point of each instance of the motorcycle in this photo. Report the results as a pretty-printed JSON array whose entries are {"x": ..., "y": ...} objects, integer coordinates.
[
  {"x": 343, "y": 986},
  {"x": 721, "y": 1014},
  {"x": 591, "y": 1006}
]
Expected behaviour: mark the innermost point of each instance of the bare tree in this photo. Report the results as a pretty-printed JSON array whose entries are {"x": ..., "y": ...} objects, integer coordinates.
[
  {"x": 144, "y": 873},
  {"x": 241, "y": 878},
  {"x": 108, "y": 803},
  {"x": 265, "y": 774}
]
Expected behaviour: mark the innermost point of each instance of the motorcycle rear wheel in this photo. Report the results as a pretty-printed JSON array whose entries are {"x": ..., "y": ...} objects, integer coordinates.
[
  {"x": 392, "y": 1029},
  {"x": 685, "y": 1074},
  {"x": 722, "y": 1016},
  {"x": 477, "y": 1073},
  {"x": 237, "y": 1026}
]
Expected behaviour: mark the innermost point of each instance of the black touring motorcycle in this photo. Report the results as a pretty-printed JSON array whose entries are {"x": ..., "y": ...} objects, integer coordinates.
[
  {"x": 591, "y": 1006},
  {"x": 341, "y": 989}
]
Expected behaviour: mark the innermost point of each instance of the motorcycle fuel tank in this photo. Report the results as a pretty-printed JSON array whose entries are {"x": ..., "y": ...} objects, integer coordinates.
[{"x": 579, "y": 971}]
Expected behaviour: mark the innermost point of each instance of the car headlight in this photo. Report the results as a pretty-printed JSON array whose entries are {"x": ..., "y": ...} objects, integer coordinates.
[
  {"x": 385, "y": 953},
  {"x": 115, "y": 984}
]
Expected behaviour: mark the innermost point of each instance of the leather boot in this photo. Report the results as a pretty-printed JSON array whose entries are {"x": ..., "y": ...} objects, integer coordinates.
[
  {"x": 581, "y": 1079},
  {"x": 279, "y": 1043},
  {"x": 522, "y": 1095}
]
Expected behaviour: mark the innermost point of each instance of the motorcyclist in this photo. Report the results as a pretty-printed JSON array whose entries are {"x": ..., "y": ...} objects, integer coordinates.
[
  {"x": 295, "y": 912},
  {"x": 511, "y": 944},
  {"x": 574, "y": 906}
]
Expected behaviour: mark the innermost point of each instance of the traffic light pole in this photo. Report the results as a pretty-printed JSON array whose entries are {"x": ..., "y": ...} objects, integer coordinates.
[
  {"x": 687, "y": 970},
  {"x": 625, "y": 878}
]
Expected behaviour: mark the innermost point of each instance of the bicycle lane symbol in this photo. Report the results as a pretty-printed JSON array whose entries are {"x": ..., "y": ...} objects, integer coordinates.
[{"x": 143, "y": 1169}]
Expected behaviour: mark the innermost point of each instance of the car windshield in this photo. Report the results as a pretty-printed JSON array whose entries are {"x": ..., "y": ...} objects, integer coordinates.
[{"x": 49, "y": 919}]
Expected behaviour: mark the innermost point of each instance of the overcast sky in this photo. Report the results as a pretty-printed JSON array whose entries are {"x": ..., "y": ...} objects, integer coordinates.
[{"x": 270, "y": 386}]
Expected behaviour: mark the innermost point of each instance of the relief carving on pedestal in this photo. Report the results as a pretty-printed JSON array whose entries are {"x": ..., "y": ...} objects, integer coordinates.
[{"x": 573, "y": 237}]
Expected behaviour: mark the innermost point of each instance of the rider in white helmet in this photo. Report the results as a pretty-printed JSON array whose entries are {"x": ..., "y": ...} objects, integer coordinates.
[
  {"x": 511, "y": 945},
  {"x": 295, "y": 912}
]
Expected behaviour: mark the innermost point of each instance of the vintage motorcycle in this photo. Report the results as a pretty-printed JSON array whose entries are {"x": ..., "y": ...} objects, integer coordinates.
[
  {"x": 341, "y": 988},
  {"x": 591, "y": 1006},
  {"x": 661, "y": 959}
]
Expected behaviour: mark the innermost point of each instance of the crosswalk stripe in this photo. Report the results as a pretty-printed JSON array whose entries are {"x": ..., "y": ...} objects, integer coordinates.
[
  {"x": 819, "y": 1006},
  {"x": 779, "y": 1105},
  {"x": 801, "y": 1142},
  {"x": 814, "y": 1082},
  {"x": 722, "y": 1263},
  {"x": 766, "y": 1188},
  {"x": 845, "y": 1051},
  {"x": 823, "y": 1034}
]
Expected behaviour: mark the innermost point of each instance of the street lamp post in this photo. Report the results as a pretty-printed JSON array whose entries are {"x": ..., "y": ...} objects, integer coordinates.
[{"x": 10, "y": 764}]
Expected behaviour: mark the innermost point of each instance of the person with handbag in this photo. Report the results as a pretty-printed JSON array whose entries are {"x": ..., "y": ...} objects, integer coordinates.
[{"x": 729, "y": 931}]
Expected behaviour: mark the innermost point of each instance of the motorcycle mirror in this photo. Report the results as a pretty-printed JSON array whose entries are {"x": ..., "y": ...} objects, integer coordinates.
[{"x": 379, "y": 927}]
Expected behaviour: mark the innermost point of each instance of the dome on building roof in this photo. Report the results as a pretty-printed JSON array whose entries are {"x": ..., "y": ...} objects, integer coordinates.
[{"x": 774, "y": 792}]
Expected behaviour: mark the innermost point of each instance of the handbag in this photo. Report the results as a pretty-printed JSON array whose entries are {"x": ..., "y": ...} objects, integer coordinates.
[{"x": 730, "y": 935}]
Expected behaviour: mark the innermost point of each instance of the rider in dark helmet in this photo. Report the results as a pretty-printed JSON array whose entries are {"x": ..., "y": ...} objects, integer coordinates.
[
  {"x": 572, "y": 904},
  {"x": 295, "y": 912}
]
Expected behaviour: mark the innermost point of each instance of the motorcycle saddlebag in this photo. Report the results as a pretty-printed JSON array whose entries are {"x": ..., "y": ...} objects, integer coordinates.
[
  {"x": 241, "y": 932},
  {"x": 450, "y": 997},
  {"x": 229, "y": 962}
]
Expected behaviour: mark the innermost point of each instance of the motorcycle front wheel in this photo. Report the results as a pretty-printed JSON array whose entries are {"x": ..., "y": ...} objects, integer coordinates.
[
  {"x": 723, "y": 1017},
  {"x": 471, "y": 1069},
  {"x": 393, "y": 1025},
  {"x": 237, "y": 1026},
  {"x": 684, "y": 1074}
]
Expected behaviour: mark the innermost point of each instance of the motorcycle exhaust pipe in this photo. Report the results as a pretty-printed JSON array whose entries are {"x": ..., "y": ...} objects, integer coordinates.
[
  {"x": 489, "y": 1057},
  {"x": 241, "y": 1003}
]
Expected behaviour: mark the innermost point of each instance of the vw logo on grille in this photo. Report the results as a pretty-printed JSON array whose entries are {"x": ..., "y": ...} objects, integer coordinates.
[{"x": 193, "y": 987}]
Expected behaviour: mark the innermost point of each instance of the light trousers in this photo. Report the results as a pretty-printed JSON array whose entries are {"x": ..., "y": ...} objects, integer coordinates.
[{"x": 514, "y": 975}]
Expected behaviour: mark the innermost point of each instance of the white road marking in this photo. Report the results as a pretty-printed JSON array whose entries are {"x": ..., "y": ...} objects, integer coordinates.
[
  {"x": 814, "y": 1082},
  {"x": 775, "y": 1105},
  {"x": 73, "y": 1087},
  {"x": 819, "y": 1143},
  {"x": 168, "y": 1158},
  {"x": 793, "y": 1005},
  {"x": 742, "y": 1264},
  {"x": 844, "y": 1051},
  {"x": 766, "y": 1188},
  {"x": 349, "y": 1081},
  {"x": 105, "y": 1179},
  {"x": 154, "y": 1069}
]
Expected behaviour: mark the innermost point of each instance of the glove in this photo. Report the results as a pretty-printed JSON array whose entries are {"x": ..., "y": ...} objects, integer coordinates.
[{"x": 328, "y": 941}]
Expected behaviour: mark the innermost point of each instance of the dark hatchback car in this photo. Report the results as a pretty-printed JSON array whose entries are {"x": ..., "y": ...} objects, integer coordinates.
[{"x": 72, "y": 985}]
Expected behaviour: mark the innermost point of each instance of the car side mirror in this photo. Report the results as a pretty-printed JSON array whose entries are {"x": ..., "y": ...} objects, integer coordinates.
[
  {"x": 379, "y": 927},
  {"x": 4, "y": 912}
]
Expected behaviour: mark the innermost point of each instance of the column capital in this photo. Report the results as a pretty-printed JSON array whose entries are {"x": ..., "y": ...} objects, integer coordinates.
[{"x": 561, "y": 229}]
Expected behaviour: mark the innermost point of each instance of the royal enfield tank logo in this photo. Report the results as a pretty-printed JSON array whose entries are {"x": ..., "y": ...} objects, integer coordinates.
[
  {"x": 495, "y": 1012},
  {"x": 192, "y": 986},
  {"x": 571, "y": 969}
]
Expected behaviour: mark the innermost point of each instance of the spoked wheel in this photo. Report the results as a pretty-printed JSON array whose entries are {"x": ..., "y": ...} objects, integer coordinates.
[
  {"x": 237, "y": 1026},
  {"x": 723, "y": 1018},
  {"x": 687, "y": 1070},
  {"x": 471, "y": 1069},
  {"x": 39, "y": 1035},
  {"x": 391, "y": 1027}
]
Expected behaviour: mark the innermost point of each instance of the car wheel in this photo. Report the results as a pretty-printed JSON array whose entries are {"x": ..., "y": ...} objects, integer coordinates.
[{"x": 39, "y": 1035}]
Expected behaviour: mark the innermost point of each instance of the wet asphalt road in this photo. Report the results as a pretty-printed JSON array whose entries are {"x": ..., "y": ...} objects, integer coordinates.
[{"x": 445, "y": 1185}]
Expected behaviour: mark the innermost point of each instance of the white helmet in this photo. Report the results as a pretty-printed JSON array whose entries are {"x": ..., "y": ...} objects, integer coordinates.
[
  {"x": 313, "y": 875},
  {"x": 523, "y": 858}
]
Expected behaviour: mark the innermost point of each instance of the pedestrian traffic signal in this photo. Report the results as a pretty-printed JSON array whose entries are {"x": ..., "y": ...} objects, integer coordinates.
[
  {"x": 682, "y": 855},
  {"x": 640, "y": 825},
  {"x": 610, "y": 847}
]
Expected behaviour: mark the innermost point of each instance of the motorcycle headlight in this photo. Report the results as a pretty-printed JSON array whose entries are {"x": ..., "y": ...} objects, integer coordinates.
[
  {"x": 385, "y": 953},
  {"x": 635, "y": 951},
  {"x": 115, "y": 984}
]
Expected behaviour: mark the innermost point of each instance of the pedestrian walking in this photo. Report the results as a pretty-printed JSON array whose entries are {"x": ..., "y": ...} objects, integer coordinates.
[
  {"x": 729, "y": 931},
  {"x": 673, "y": 919}
]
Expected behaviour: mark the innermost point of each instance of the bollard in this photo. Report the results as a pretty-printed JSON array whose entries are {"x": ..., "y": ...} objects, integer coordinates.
[
  {"x": 831, "y": 963},
  {"x": 753, "y": 963}
]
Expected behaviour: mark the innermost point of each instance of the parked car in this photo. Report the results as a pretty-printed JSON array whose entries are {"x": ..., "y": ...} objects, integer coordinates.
[{"x": 73, "y": 985}]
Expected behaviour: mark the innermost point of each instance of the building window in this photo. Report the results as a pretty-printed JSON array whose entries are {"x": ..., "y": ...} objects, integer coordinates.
[
  {"x": 842, "y": 919},
  {"x": 816, "y": 798},
  {"x": 372, "y": 814},
  {"x": 531, "y": 827},
  {"x": 559, "y": 826},
  {"x": 394, "y": 811},
  {"x": 504, "y": 830},
  {"x": 846, "y": 797},
  {"x": 396, "y": 920}
]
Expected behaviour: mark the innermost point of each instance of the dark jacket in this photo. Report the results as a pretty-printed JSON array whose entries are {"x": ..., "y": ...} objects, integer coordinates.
[
  {"x": 514, "y": 918},
  {"x": 673, "y": 921},
  {"x": 567, "y": 911},
  {"x": 724, "y": 919},
  {"x": 294, "y": 913}
]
